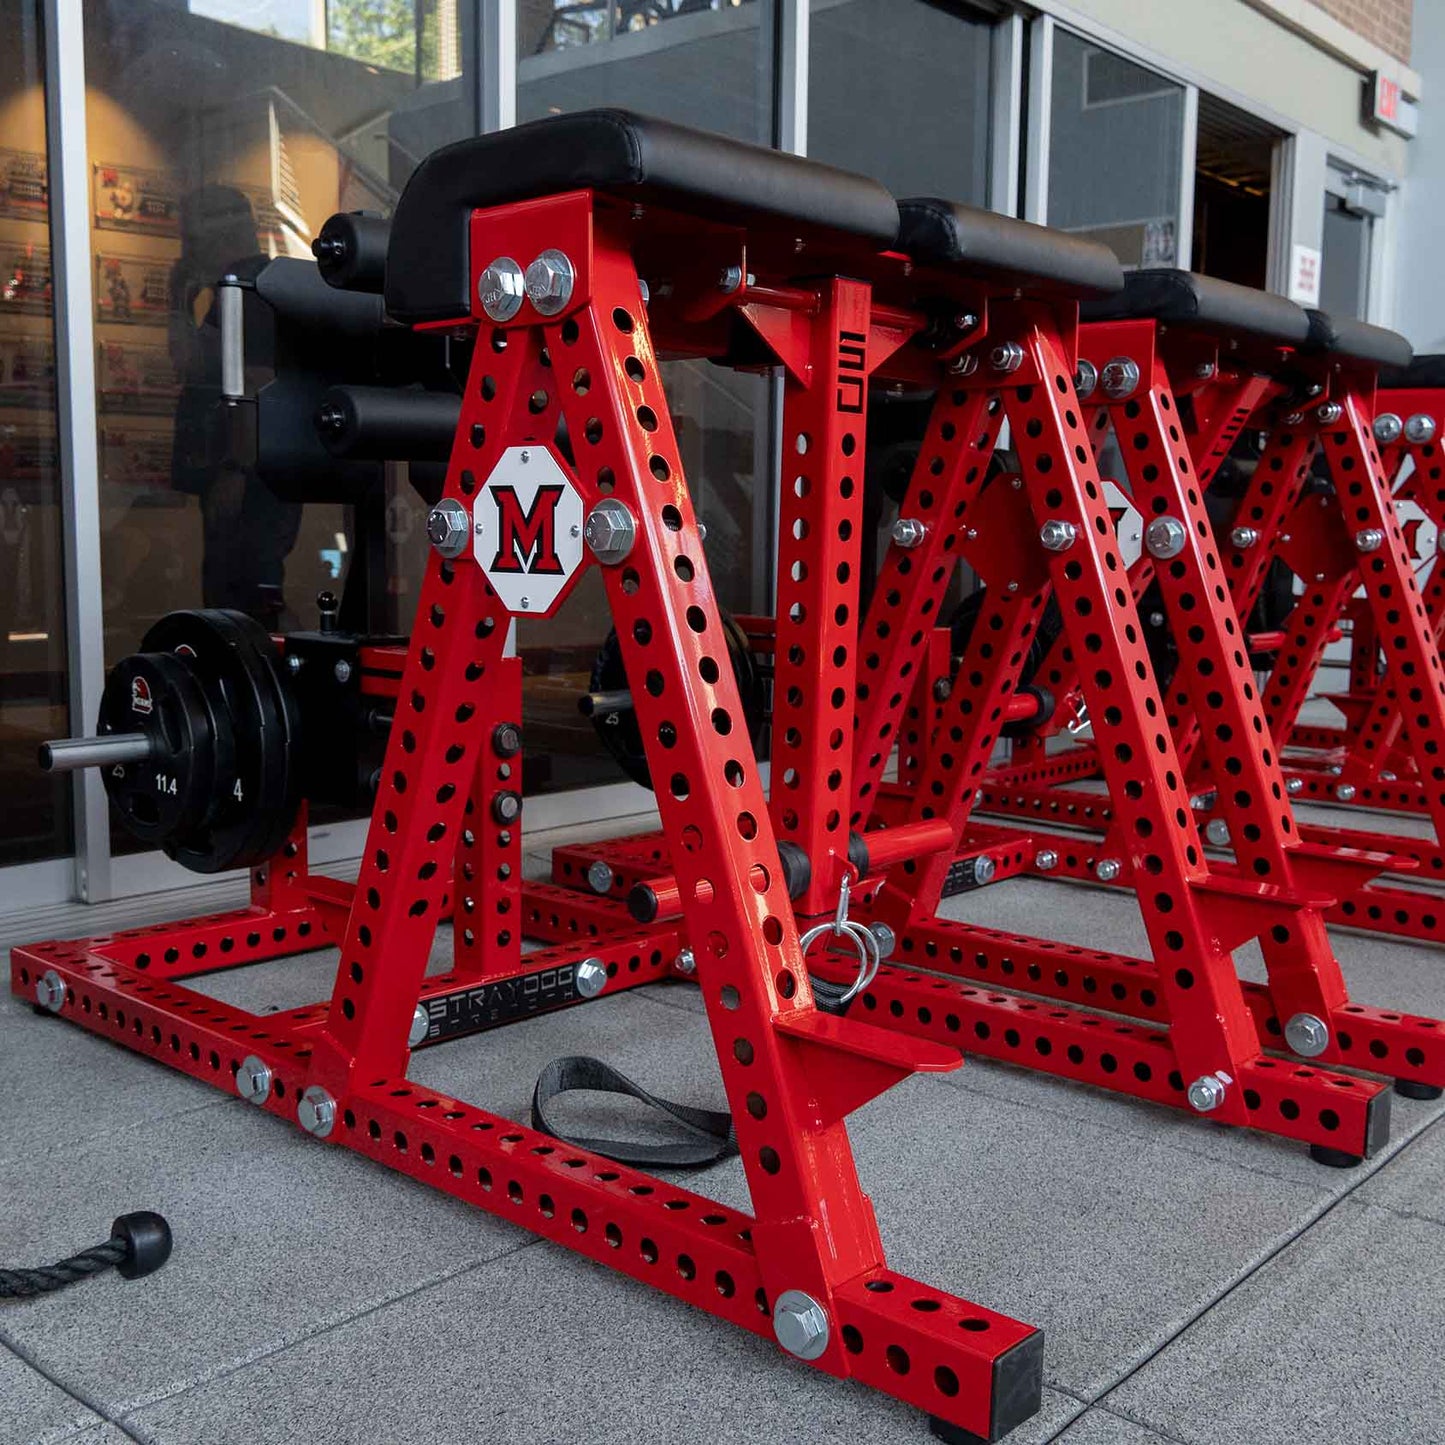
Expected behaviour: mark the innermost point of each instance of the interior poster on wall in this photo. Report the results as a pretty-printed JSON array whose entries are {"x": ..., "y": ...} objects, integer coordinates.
[
  {"x": 24, "y": 279},
  {"x": 129, "y": 199},
  {"x": 137, "y": 379},
  {"x": 132, "y": 288},
  {"x": 27, "y": 370},
  {"x": 24, "y": 189}
]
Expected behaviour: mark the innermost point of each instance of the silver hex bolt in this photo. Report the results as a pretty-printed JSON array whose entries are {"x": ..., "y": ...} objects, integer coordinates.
[
  {"x": 448, "y": 527},
  {"x": 1307, "y": 1035},
  {"x": 885, "y": 938},
  {"x": 342, "y": 671},
  {"x": 1216, "y": 831},
  {"x": 685, "y": 962},
  {"x": 1329, "y": 412},
  {"x": 908, "y": 532},
  {"x": 316, "y": 1111},
  {"x": 730, "y": 279},
  {"x": 1294, "y": 785},
  {"x": 599, "y": 876},
  {"x": 610, "y": 531},
  {"x": 1106, "y": 870},
  {"x": 1045, "y": 860},
  {"x": 50, "y": 991},
  {"x": 1369, "y": 539},
  {"x": 1058, "y": 535},
  {"x": 1165, "y": 537},
  {"x": 800, "y": 1324},
  {"x": 1243, "y": 537},
  {"x": 1205, "y": 370},
  {"x": 1420, "y": 428},
  {"x": 501, "y": 289},
  {"x": 420, "y": 1026},
  {"x": 1389, "y": 777},
  {"x": 984, "y": 869},
  {"x": 1086, "y": 378},
  {"x": 1007, "y": 357},
  {"x": 1389, "y": 428},
  {"x": 549, "y": 281},
  {"x": 1345, "y": 792},
  {"x": 1120, "y": 378},
  {"x": 1206, "y": 1093},
  {"x": 590, "y": 976},
  {"x": 253, "y": 1080}
]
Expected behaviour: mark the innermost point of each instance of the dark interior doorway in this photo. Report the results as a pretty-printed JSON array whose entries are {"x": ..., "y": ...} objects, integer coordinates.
[{"x": 1233, "y": 173}]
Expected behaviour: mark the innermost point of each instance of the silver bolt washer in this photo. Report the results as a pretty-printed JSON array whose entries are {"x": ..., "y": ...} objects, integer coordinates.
[
  {"x": 908, "y": 532},
  {"x": 885, "y": 938},
  {"x": 1216, "y": 830},
  {"x": 253, "y": 1080},
  {"x": 1329, "y": 412},
  {"x": 420, "y": 1026},
  {"x": 1369, "y": 539},
  {"x": 800, "y": 1324},
  {"x": 590, "y": 976},
  {"x": 1420, "y": 428},
  {"x": 599, "y": 876},
  {"x": 550, "y": 280},
  {"x": 501, "y": 289},
  {"x": 1086, "y": 378},
  {"x": 1165, "y": 537},
  {"x": 1388, "y": 428},
  {"x": 1106, "y": 870},
  {"x": 448, "y": 527},
  {"x": 50, "y": 991},
  {"x": 1007, "y": 357},
  {"x": 1244, "y": 537},
  {"x": 984, "y": 869},
  {"x": 1307, "y": 1035},
  {"x": 316, "y": 1111},
  {"x": 1058, "y": 535},
  {"x": 1120, "y": 378},
  {"x": 1206, "y": 1094},
  {"x": 1046, "y": 859},
  {"x": 1345, "y": 792},
  {"x": 685, "y": 962},
  {"x": 610, "y": 531}
]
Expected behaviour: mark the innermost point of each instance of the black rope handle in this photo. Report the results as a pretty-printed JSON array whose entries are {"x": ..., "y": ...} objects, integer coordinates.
[
  {"x": 139, "y": 1244},
  {"x": 713, "y": 1140}
]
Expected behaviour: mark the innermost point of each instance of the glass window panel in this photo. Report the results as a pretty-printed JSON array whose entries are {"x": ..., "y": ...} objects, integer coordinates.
[
  {"x": 933, "y": 65},
  {"x": 35, "y": 817},
  {"x": 1116, "y": 144}
]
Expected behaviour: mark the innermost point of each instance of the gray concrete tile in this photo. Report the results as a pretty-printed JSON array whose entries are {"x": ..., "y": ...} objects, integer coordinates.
[
  {"x": 103, "y": 1434},
  {"x": 1413, "y": 1182},
  {"x": 32, "y": 1410},
  {"x": 275, "y": 1236},
  {"x": 1102, "y": 1427},
  {"x": 1335, "y": 1341},
  {"x": 538, "y": 1349}
]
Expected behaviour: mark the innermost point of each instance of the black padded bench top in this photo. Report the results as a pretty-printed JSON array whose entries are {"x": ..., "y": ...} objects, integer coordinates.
[
  {"x": 1358, "y": 340},
  {"x": 1424, "y": 371},
  {"x": 1016, "y": 251},
  {"x": 1183, "y": 298},
  {"x": 616, "y": 151}
]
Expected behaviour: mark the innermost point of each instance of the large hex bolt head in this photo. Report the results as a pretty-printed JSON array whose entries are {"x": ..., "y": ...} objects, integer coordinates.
[
  {"x": 1294, "y": 786},
  {"x": 1216, "y": 830},
  {"x": 253, "y": 1080},
  {"x": 1243, "y": 537},
  {"x": 1329, "y": 412},
  {"x": 1206, "y": 1094},
  {"x": 800, "y": 1324},
  {"x": 1006, "y": 357},
  {"x": 908, "y": 532},
  {"x": 1345, "y": 792},
  {"x": 609, "y": 531},
  {"x": 501, "y": 289},
  {"x": 885, "y": 938},
  {"x": 420, "y": 1026},
  {"x": 984, "y": 869},
  {"x": 1086, "y": 378},
  {"x": 1119, "y": 378},
  {"x": 1369, "y": 539},
  {"x": 1388, "y": 428},
  {"x": 1106, "y": 870},
  {"x": 1420, "y": 428},
  {"x": 316, "y": 1111},
  {"x": 448, "y": 527},
  {"x": 599, "y": 876},
  {"x": 1058, "y": 535},
  {"x": 1307, "y": 1035},
  {"x": 685, "y": 962},
  {"x": 590, "y": 976},
  {"x": 50, "y": 991},
  {"x": 1165, "y": 537},
  {"x": 549, "y": 281},
  {"x": 1045, "y": 860}
]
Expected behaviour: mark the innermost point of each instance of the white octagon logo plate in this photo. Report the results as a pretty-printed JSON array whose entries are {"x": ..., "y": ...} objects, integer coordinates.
[{"x": 527, "y": 530}]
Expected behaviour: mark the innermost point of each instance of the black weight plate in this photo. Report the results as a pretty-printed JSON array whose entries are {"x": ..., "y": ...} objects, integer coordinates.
[{"x": 170, "y": 793}]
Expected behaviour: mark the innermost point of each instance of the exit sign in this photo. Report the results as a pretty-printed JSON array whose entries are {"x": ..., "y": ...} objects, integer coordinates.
[{"x": 1389, "y": 106}]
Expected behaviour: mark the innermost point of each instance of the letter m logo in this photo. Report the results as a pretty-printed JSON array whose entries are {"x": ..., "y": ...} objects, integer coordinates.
[{"x": 527, "y": 538}]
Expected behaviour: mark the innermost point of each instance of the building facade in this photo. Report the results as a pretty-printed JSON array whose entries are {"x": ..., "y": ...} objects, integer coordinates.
[{"x": 146, "y": 144}]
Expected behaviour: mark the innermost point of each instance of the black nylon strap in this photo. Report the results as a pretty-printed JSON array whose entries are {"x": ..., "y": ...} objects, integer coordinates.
[{"x": 714, "y": 1141}]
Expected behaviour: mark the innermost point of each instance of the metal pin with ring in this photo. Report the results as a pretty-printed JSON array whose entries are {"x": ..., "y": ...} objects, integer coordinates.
[{"x": 870, "y": 957}]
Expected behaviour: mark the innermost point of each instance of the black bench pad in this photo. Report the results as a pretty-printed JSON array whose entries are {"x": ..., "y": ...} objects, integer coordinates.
[
  {"x": 1424, "y": 371},
  {"x": 934, "y": 230},
  {"x": 616, "y": 151},
  {"x": 1358, "y": 340},
  {"x": 1183, "y": 298}
]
